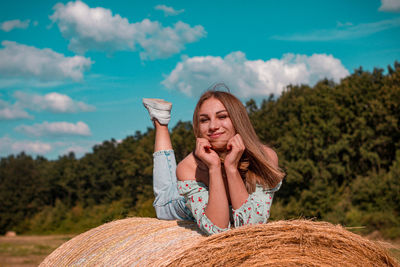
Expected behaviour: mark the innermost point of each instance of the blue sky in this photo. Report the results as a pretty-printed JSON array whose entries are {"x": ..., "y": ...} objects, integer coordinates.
[{"x": 73, "y": 73}]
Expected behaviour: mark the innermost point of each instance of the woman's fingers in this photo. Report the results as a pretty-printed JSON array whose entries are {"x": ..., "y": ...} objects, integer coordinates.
[
  {"x": 236, "y": 142},
  {"x": 205, "y": 153},
  {"x": 235, "y": 149},
  {"x": 229, "y": 144},
  {"x": 202, "y": 144}
]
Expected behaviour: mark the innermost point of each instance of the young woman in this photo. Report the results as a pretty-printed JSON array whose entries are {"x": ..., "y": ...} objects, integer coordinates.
[{"x": 231, "y": 176}]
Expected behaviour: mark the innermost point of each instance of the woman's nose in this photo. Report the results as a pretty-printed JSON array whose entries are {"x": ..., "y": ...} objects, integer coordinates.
[{"x": 214, "y": 125}]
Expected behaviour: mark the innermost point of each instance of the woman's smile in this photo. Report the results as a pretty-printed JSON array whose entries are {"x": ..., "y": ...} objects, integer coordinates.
[{"x": 215, "y": 135}]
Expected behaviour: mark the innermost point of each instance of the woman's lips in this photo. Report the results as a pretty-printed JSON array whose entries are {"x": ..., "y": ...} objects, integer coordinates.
[{"x": 215, "y": 135}]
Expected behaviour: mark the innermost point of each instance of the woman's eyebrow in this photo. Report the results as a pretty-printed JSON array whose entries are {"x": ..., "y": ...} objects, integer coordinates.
[{"x": 206, "y": 115}]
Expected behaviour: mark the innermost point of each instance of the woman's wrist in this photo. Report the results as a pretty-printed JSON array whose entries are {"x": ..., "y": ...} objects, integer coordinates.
[
  {"x": 233, "y": 175},
  {"x": 214, "y": 168},
  {"x": 230, "y": 169}
]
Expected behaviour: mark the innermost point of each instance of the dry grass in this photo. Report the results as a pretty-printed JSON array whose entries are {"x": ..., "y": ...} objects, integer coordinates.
[{"x": 27, "y": 251}]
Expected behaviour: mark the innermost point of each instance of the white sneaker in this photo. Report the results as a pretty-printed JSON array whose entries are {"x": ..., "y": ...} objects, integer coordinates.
[{"x": 159, "y": 109}]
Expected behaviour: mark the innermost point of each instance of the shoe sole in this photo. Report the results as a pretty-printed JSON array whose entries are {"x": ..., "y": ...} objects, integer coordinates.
[{"x": 154, "y": 103}]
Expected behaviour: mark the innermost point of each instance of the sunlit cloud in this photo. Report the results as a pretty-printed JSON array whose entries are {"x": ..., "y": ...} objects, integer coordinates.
[
  {"x": 390, "y": 6},
  {"x": 22, "y": 61},
  {"x": 98, "y": 29},
  {"x": 55, "y": 129},
  {"x": 10, "y": 111},
  {"x": 11, "y": 146},
  {"x": 53, "y": 102},
  {"x": 168, "y": 11},
  {"x": 342, "y": 32},
  {"x": 10, "y": 25},
  {"x": 249, "y": 78}
]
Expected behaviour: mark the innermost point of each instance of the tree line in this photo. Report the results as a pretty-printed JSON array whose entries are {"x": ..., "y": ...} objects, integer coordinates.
[{"x": 339, "y": 144}]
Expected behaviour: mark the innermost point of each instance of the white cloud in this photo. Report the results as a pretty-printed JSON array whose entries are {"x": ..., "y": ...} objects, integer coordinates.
[
  {"x": 390, "y": 5},
  {"x": 18, "y": 60},
  {"x": 12, "y": 111},
  {"x": 10, "y": 25},
  {"x": 164, "y": 42},
  {"x": 248, "y": 78},
  {"x": 10, "y": 146},
  {"x": 55, "y": 129},
  {"x": 343, "y": 24},
  {"x": 168, "y": 11},
  {"x": 98, "y": 29},
  {"x": 53, "y": 102},
  {"x": 342, "y": 32},
  {"x": 14, "y": 82},
  {"x": 32, "y": 147}
]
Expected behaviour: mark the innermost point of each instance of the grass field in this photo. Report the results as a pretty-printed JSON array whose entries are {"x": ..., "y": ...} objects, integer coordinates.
[{"x": 29, "y": 251}]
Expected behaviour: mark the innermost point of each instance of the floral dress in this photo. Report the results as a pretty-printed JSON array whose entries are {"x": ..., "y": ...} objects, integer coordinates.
[{"x": 255, "y": 210}]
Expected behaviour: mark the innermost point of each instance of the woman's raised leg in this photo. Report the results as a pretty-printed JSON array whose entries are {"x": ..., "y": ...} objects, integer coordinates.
[
  {"x": 162, "y": 140},
  {"x": 169, "y": 205}
]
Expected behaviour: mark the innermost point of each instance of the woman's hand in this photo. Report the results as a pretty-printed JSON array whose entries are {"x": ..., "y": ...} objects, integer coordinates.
[
  {"x": 235, "y": 149},
  {"x": 206, "y": 154}
]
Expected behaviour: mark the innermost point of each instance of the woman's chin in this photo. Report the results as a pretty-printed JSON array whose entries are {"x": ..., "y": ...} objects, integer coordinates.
[{"x": 219, "y": 145}]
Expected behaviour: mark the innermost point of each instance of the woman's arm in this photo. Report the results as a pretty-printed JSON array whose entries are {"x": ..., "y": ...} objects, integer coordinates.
[
  {"x": 256, "y": 208},
  {"x": 253, "y": 208},
  {"x": 217, "y": 208},
  {"x": 196, "y": 194},
  {"x": 237, "y": 188}
]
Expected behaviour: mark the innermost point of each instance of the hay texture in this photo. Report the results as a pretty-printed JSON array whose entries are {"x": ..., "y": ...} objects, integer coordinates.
[
  {"x": 151, "y": 242},
  {"x": 286, "y": 243},
  {"x": 127, "y": 242}
]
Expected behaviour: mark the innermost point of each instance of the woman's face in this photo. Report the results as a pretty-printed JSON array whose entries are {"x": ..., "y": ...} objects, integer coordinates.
[{"x": 215, "y": 124}]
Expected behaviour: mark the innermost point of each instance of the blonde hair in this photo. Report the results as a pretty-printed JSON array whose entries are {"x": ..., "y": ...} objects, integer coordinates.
[{"x": 258, "y": 166}]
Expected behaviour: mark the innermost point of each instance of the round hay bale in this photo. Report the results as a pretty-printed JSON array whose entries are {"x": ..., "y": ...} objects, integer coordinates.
[
  {"x": 286, "y": 243},
  {"x": 152, "y": 242},
  {"x": 127, "y": 242}
]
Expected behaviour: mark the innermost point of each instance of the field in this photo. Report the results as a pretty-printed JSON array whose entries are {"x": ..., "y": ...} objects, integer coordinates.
[{"x": 26, "y": 251}]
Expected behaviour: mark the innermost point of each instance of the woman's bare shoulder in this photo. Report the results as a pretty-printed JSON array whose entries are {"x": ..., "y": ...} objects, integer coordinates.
[
  {"x": 186, "y": 169},
  {"x": 271, "y": 155}
]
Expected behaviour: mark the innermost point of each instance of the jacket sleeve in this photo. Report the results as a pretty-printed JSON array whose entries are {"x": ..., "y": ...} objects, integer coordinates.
[
  {"x": 196, "y": 195},
  {"x": 256, "y": 208}
]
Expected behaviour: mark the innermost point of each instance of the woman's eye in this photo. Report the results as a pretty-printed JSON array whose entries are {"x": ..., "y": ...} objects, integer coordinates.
[
  {"x": 203, "y": 120},
  {"x": 222, "y": 116}
]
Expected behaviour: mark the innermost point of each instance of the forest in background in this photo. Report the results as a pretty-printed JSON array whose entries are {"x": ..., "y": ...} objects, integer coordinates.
[{"x": 338, "y": 143}]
